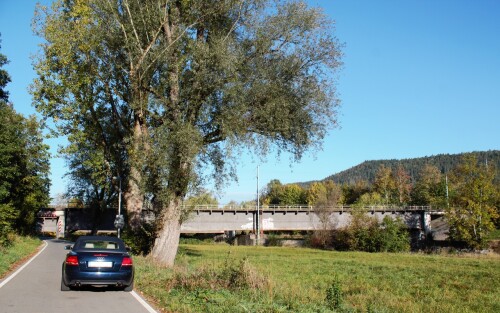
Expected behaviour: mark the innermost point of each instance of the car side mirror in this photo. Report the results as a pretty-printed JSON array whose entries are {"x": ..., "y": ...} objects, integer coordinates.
[
  {"x": 68, "y": 247},
  {"x": 128, "y": 248}
]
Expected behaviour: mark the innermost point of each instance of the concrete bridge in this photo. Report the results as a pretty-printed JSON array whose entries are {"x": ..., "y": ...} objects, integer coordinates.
[
  {"x": 213, "y": 219},
  {"x": 219, "y": 219}
]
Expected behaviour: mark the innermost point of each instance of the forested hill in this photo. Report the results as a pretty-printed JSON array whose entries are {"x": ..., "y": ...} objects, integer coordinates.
[{"x": 445, "y": 162}]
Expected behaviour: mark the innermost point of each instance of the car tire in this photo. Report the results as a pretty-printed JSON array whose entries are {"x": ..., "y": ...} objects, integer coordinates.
[
  {"x": 129, "y": 287},
  {"x": 64, "y": 287}
]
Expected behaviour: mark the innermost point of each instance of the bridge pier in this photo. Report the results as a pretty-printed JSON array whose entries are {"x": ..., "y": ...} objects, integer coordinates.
[
  {"x": 61, "y": 224},
  {"x": 426, "y": 223}
]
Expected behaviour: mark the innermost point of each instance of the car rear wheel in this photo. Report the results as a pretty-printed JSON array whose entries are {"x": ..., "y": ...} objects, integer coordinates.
[
  {"x": 63, "y": 286},
  {"x": 129, "y": 287}
]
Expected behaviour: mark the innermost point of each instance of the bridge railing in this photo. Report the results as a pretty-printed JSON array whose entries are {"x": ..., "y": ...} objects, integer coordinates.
[{"x": 307, "y": 208}]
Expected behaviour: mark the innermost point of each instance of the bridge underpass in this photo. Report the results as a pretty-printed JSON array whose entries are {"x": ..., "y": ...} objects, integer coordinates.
[{"x": 220, "y": 219}]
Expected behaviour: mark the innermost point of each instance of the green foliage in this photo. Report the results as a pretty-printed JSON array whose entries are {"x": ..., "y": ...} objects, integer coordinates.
[
  {"x": 430, "y": 188},
  {"x": 201, "y": 198},
  {"x": 393, "y": 236},
  {"x": 4, "y": 78},
  {"x": 278, "y": 194},
  {"x": 273, "y": 240},
  {"x": 367, "y": 170},
  {"x": 7, "y": 217},
  {"x": 324, "y": 194},
  {"x": 162, "y": 93},
  {"x": 291, "y": 195},
  {"x": 352, "y": 193},
  {"x": 365, "y": 233},
  {"x": 272, "y": 193},
  {"x": 474, "y": 197},
  {"x": 334, "y": 299},
  {"x": 369, "y": 199},
  {"x": 24, "y": 167},
  {"x": 385, "y": 184},
  {"x": 140, "y": 240},
  {"x": 19, "y": 248}
]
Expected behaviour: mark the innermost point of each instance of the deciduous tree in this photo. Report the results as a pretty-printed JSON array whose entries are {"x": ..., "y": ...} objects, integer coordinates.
[
  {"x": 183, "y": 85},
  {"x": 474, "y": 196},
  {"x": 24, "y": 166},
  {"x": 385, "y": 184},
  {"x": 429, "y": 188},
  {"x": 403, "y": 185}
]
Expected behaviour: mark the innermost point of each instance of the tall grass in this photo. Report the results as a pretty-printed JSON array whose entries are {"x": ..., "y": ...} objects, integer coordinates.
[
  {"x": 307, "y": 280},
  {"x": 20, "y": 249}
]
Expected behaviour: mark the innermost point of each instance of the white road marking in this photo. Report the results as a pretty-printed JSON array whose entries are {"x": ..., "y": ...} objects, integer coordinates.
[
  {"x": 133, "y": 293},
  {"x": 22, "y": 267},
  {"x": 144, "y": 303}
]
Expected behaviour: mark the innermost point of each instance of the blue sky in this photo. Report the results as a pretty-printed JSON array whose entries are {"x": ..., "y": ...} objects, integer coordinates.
[{"x": 420, "y": 78}]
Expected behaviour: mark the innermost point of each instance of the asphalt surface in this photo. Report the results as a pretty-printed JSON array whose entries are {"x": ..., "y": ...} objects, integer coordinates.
[{"x": 36, "y": 289}]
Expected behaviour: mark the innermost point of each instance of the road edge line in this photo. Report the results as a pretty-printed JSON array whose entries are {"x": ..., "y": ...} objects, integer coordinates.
[
  {"x": 11, "y": 276},
  {"x": 143, "y": 302}
]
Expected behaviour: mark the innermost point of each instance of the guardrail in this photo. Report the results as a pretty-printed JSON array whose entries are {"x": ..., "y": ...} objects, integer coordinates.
[{"x": 308, "y": 208}]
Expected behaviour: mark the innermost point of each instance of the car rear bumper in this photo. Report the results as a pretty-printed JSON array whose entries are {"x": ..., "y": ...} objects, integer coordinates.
[{"x": 98, "y": 278}]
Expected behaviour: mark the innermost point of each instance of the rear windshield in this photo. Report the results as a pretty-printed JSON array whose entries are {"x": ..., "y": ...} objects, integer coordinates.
[{"x": 99, "y": 245}]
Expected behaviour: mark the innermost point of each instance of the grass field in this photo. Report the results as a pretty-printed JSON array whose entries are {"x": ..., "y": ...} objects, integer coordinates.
[
  {"x": 221, "y": 278},
  {"x": 21, "y": 248}
]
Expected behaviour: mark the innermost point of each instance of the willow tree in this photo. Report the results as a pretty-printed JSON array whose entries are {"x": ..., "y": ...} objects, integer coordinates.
[{"x": 183, "y": 85}]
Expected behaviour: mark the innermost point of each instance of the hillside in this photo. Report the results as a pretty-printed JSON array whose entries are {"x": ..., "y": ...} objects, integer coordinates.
[{"x": 445, "y": 162}]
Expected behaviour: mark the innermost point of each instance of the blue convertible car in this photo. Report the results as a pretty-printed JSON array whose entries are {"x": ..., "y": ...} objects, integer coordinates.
[{"x": 97, "y": 260}]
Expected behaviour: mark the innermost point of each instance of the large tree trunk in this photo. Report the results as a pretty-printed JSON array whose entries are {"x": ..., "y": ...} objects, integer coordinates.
[
  {"x": 134, "y": 195},
  {"x": 134, "y": 199},
  {"x": 167, "y": 240}
]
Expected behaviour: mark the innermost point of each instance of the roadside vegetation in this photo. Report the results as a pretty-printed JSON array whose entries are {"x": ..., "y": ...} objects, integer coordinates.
[
  {"x": 24, "y": 167},
  {"x": 19, "y": 249},
  {"x": 222, "y": 278}
]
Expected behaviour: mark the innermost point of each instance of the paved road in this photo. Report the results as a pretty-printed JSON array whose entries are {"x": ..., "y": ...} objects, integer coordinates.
[{"x": 36, "y": 289}]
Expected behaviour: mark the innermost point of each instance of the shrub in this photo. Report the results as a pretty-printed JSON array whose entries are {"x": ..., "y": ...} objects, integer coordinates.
[
  {"x": 273, "y": 240},
  {"x": 393, "y": 236},
  {"x": 140, "y": 241},
  {"x": 334, "y": 300},
  {"x": 365, "y": 233}
]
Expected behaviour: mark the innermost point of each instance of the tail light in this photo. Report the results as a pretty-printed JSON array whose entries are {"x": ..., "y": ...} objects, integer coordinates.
[
  {"x": 127, "y": 261},
  {"x": 71, "y": 260}
]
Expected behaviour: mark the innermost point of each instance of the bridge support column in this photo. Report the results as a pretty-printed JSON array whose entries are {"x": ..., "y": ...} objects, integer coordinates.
[
  {"x": 426, "y": 223},
  {"x": 61, "y": 224}
]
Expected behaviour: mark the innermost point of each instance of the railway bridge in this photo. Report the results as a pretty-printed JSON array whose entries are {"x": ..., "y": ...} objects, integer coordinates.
[{"x": 219, "y": 219}]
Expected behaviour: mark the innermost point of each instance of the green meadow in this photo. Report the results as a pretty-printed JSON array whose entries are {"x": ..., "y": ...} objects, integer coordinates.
[{"x": 222, "y": 278}]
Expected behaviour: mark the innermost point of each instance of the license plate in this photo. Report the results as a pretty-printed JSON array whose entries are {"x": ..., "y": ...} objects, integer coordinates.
[{"x": 100, "y": 264}]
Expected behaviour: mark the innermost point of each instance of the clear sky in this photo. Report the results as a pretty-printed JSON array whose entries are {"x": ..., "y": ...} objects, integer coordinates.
[{"x": 420, "y": 78}]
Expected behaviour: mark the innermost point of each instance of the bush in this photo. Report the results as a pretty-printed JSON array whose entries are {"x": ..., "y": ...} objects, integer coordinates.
[
  {"x": 365, "y": 233},
  {"x": 273, "y": 240},
  {"x": 334, "y": 300},
  {"x": 7, "y": 216},
  {"x": 393, "y": 236},
  {"x": 140, "y": 241}
]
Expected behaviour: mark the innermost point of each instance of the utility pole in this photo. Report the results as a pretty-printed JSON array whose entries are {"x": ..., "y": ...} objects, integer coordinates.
[
  {"x": 447, "y": 201},
  {"x": 257, "y": 223},
  {"x": 119, "y": 220}
]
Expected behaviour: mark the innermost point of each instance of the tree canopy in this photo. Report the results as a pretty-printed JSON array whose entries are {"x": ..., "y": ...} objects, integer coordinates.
[
  {"x": 24, "y": 167},
  {"x": 163, "y": 90}
]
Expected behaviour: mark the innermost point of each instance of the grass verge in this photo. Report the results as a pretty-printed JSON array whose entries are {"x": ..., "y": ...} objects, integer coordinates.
[
  {"x": 221, "y": 278},
  {"x": 20, "y": 250}
]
